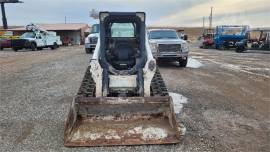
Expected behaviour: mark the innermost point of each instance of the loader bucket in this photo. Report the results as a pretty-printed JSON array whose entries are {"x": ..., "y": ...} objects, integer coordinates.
[{"x": 121, "y": 121}]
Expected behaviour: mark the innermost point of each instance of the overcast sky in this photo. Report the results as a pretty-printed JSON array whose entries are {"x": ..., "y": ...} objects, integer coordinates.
[{"x": 159, "y": 12}]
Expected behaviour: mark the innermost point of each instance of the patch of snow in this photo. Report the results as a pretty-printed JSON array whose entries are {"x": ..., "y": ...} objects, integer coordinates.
[
  {"x": 242, "y": 68},
  {"x": 178, "y": 101},
  {"x": 193, "y": 63},
  {"x": 232, "y": 67}
]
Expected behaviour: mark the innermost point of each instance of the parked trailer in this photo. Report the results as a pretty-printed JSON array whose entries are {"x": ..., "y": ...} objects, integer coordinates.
[{"x": 228, "y": 35}]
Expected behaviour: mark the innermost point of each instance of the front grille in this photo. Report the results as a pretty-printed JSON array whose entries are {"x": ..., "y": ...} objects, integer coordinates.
[
  {"x": 169, "y": 47},
  {"x": 93, "y": 40}
]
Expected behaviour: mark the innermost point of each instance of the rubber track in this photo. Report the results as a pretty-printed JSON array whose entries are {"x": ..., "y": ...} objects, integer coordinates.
[
  {"x": 158, "y": 87},
  {"x": 87, "y": 88},
  {"x": 88, "y": 85}
]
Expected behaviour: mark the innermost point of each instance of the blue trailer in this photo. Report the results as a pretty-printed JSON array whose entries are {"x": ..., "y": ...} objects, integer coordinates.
[{"x": 227, "y": 36}]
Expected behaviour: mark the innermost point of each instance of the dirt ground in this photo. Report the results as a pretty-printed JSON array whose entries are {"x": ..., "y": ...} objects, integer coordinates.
[{"x": 227, "y": 109}]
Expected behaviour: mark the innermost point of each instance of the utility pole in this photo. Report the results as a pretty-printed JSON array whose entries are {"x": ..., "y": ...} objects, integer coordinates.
[
  {"x": 65, "y": 19},
  {"x": 203, "y": 23},
  {"x": 4, "y": 18},
  {"x": 211, "y": 18}
]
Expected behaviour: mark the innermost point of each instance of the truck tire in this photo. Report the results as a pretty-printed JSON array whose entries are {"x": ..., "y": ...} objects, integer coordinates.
[
  {"x": 183, "y": 62},
  {"x": 240, "y": 49},
  {"x": 1, "y": 48},
  {"x": 39, "y": 48},
  {"x": 88, "y": 50},
  {"x": 54, "y": 46},
  {"x": 221, "y": 47},
  {"x": 33, "y": 47},
  {"x": 15, "y": 49}
]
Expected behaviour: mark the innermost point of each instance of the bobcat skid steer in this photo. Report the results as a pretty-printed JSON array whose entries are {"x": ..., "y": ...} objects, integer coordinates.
[{"x": 122, "y": 99}]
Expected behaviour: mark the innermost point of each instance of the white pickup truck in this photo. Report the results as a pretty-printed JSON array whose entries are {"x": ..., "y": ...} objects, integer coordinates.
[{"x": 167, "y": 45}]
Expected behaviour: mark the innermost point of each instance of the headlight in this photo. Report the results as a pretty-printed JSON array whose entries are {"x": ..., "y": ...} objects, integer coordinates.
[
  {"x": 154, "y": 47},
  {"x": 184, "y": 47},
  {"x": 93, "y": 40}
]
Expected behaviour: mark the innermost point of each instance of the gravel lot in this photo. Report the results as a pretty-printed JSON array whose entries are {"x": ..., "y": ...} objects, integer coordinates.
[{"x": 227, "y": 109}]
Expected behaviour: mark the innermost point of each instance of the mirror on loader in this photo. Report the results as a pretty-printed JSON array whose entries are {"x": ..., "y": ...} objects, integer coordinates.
[{"x": 123, "y": 99}]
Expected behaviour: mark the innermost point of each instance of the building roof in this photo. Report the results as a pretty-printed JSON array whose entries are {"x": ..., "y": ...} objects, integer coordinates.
[
  {"x": 57, "y": 27},
  {"x": 10, "y": 27}
]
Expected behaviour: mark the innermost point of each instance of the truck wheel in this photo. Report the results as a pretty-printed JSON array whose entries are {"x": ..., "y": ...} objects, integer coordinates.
[
  {"x": 183, "y": 62},
  {"x": 54, "y": 46},
  {"x": 15, "y": 49},
  {"x": 1, "y": 48},
  {"x": 220, "y": 47},
  {"x": 205, "y": 47},
  {"x": 239, "y": 50},
  {"x": 33, "y": 47},
  {"x": 88, "y": 50},
  {"x": 39, "y": 48}
]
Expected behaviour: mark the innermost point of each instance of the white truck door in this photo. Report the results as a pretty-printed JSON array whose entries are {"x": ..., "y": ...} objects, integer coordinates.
[{"x": 39, "y": 40}]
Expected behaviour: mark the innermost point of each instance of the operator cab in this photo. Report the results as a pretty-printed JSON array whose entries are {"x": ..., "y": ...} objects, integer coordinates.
[
  {"x": 124, "y": 36},
  {"x": 122, "y": 48}
]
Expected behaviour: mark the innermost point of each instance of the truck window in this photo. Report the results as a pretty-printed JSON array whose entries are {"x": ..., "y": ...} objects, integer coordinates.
[
  {"x": 95, "y": 28},
  {"x": 163, "y": 34},
  {"x": 28, "y": 35},
  {"x": 122, "y": 30}
]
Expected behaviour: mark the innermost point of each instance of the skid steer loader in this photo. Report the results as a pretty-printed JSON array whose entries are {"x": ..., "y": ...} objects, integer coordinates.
[{"x": 122, "y": 99}]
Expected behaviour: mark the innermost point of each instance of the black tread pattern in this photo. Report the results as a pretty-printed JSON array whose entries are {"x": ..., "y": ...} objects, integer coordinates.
[
  {"x": 88, "y": 85},
  {"x": 158, "y": 87}
]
